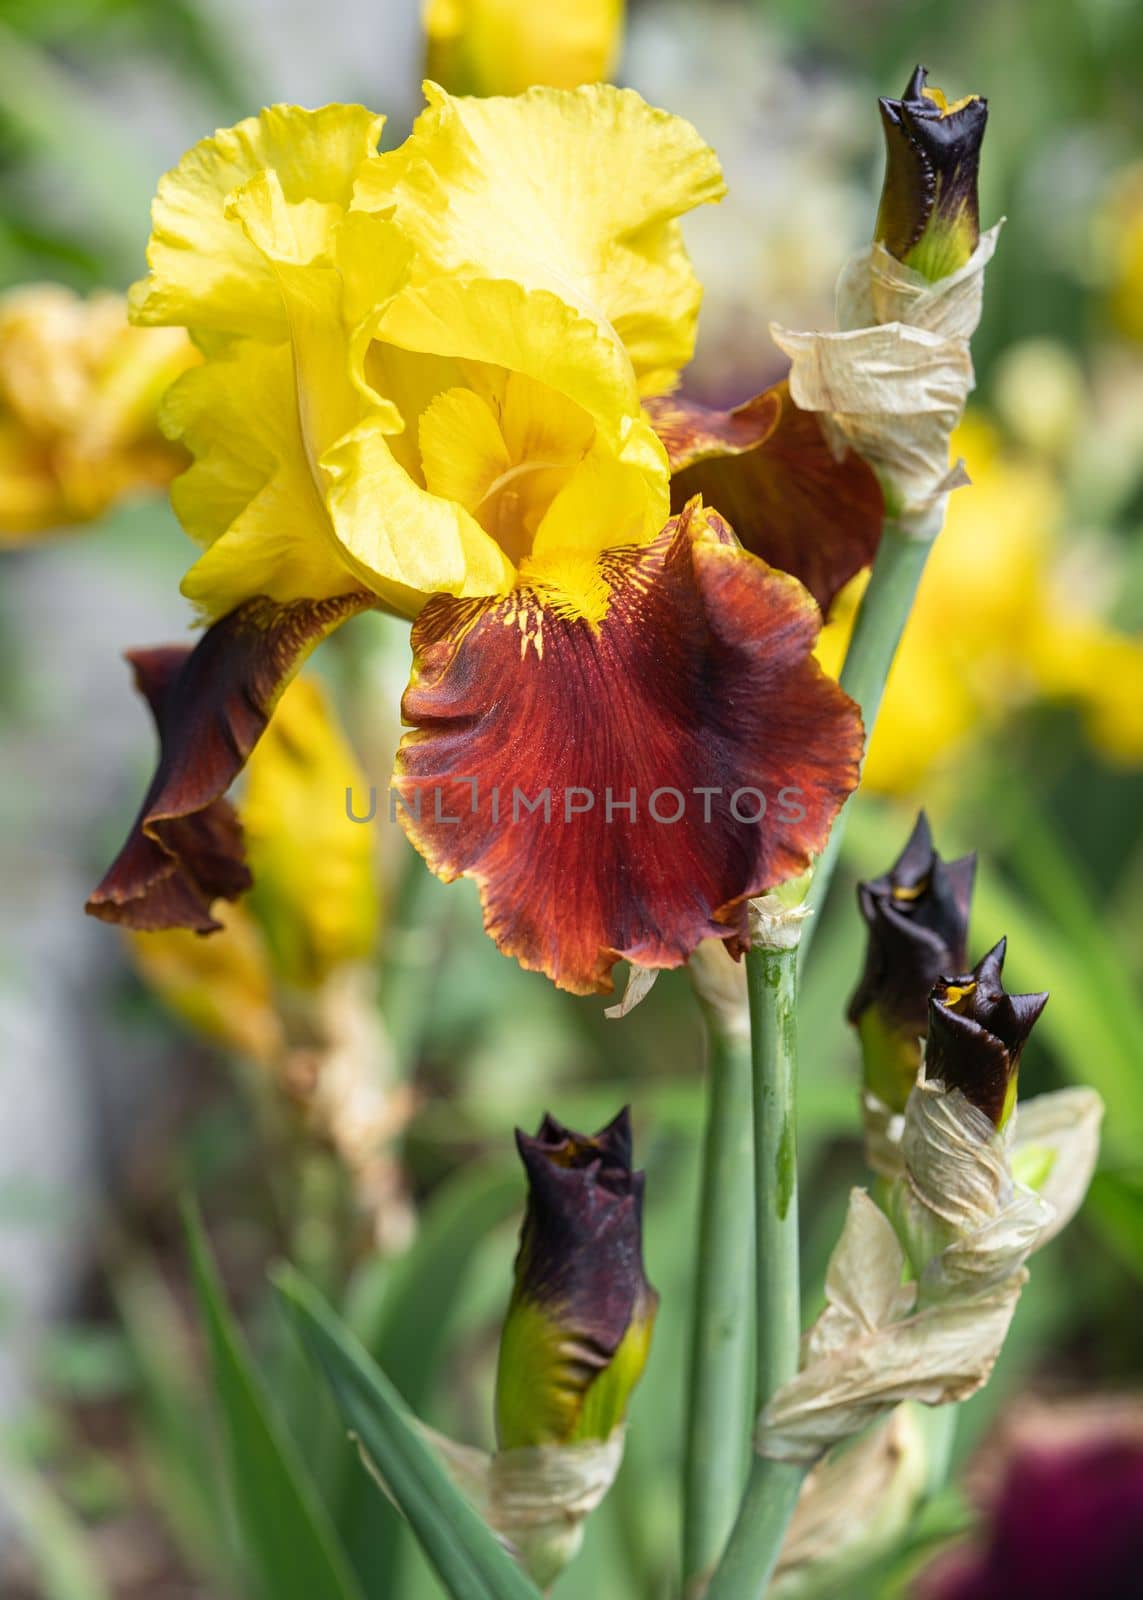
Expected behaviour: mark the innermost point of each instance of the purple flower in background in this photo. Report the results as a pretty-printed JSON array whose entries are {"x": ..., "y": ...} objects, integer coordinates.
[{"x": 1067, "y": 1525}]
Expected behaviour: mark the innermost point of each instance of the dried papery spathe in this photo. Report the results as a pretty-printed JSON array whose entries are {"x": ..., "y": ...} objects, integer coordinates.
[
  {"x": 965, "y": 1227},
  {"x": 536, "y": 1498},
  {"x": 892, "y": 384},
  {"x": 855, "y": 1504}
]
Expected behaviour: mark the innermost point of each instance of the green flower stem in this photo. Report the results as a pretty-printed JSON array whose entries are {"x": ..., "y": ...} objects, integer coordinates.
[
  {"x": 772, "y": 981},
  {"x": 772, "y": 1489},
  {"x": 881, "y": 620},
  {"x": 718, "y": 1402},
  {"x": 745, "y": 1570}
]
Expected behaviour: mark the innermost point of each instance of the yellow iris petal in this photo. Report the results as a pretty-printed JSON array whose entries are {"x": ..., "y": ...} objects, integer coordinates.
[
  {"x": 498, "y": 322},
  {"x": 315, "y": 527},
  {"x": 250, "y": 496},
  {"x": 574, "y": 194},
  {"x": 608, "y": 501},
  {"x": 79, "y": 397},
  {"x": 504, "y": 449},
  {"x": 406, "y": 542},
  {"x": 462, "y": 447},
  {"x": 422, "y": 390},
  {"x": 1084, "y": 660},
  {"x": 204, "y": 271}
]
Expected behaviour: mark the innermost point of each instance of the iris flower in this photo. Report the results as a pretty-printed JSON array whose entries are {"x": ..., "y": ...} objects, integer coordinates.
[
  {"x": 437, "y": 381},
  {"x": 78, "y": 392}
]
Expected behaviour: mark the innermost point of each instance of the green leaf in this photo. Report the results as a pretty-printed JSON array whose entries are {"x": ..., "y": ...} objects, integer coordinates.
[
  {"x": 1115, "y": 1202},
  {"x": 173, "y": 1432},
  {"x": 410, "y": 1329},
  {"x": 108, "y": 178},
  {"x": 403, "y": 1312},
  {"x": 1085, "y": 1035},
  {"x": 467, "y": 1557},
  {"x": 288, "y": 1542},
  {"x": 63, "y": 1557}
]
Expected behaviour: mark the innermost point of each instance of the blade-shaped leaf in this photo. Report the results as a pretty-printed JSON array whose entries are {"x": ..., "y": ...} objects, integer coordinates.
[
  {"x": 467, "y": 1557},
  {"x": 59, "y": 1548},
  {"x": 403, "y": 1313},
  {"x": 169, "y": 1416},
  {"x": 288, "y": 1543},
  {"x": 412, "y": 1321}
]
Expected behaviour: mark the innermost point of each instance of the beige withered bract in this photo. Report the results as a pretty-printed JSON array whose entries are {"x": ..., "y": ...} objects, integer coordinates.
[
  {"x": 536, "y": 1498},
  {"x": 1058, "y": 1135},
  {"x": 892, "y": 384},
  {"x": 872, "y": 1350},
  {"x": 856, "y": 1503},
  {"x": 966, "y": 1227}
]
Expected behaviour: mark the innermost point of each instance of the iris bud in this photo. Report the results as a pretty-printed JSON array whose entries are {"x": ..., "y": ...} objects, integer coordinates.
[
  {"x": 977, "y": 1032},
  {"x": 579, "y": 1323},
  {"x": 929, "y": 216},
  {"x": 917, "y": 920}
]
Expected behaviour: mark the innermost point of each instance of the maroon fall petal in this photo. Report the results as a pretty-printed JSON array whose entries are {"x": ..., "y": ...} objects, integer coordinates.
[
  {"x": 768, "y": 469},
  {"x": 211, "y": 705},
  {"x": 696, "y": 697}
]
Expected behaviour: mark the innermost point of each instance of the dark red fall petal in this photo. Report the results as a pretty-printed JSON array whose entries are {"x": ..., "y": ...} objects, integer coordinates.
[
  {"x": 767, "y": 467},
  {"x": 698, "y": 676},
  {"x": 211, "y": 705}
]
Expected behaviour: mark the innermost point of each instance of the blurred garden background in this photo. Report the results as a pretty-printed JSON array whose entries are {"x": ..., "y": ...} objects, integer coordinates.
[{"x": 132, "y": 1073}]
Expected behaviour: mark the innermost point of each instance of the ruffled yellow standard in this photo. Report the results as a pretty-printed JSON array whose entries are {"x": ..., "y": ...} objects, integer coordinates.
[{"x": 425, "y": 378}]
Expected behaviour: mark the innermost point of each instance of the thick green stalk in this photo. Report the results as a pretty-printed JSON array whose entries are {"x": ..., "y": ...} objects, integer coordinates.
[
  {"x": 877, "y": 632},
  {"x": 718, "y": 1402},
  {"x": 772, "y": 982},
  {"x": 772, "y": 1490}
]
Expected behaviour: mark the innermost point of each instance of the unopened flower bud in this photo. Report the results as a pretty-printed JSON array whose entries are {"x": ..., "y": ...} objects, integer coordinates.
[
  {"x": 578, "y": 1329},
  {"x": 917, "y": 920},
  {"x": 929, "y": 216},
  {"x": 977, "y": 1032}
]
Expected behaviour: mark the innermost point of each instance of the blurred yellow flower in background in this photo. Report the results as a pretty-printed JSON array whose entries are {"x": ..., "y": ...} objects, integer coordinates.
[
  {"x": 505, "y": 46},
  {"x": 79, "y": 394},
  {"x": 316, "y": 893},
  {"x": 999, "y": 622},
  {"x": 222, "y": 988},
  {"x": 1119, "y": 228}
]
